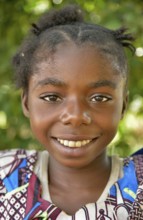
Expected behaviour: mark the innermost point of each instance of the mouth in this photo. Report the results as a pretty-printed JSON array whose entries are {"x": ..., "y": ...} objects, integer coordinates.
[{"x": 74, "y": 144}]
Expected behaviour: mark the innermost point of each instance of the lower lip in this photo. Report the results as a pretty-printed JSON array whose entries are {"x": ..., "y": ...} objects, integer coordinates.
[{"x": 74, "y": 151}]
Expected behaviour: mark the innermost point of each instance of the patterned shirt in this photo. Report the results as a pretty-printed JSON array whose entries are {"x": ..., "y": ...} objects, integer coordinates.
[{"x": 21, "y": 192}]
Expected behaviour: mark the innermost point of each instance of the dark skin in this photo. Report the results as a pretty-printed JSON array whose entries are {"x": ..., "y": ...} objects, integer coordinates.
[
  {"x": 87, "y": 186},
  {"x": 76, "y": 95}
]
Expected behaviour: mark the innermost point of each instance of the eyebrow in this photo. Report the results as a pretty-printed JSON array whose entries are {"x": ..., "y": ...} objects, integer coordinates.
[
  {"x": 50, "y": 81},
  {"x": 103, "y": 83},
  {"x": 93, "y": 85}
]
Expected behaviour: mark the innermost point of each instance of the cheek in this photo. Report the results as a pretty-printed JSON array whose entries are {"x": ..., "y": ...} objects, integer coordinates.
[
  {"x": 108, "y": 118},
  {"x": 41, "y": 119},
  {"x": 115, "y": 116}
]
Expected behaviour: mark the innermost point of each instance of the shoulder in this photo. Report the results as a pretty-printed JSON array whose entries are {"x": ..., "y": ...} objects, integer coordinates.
[
  {"x": 18, "y": 153},
  {"x": 138, "y": 163},
  {"x": 139, "y": 152},
  {"x": 134, "y": 163},
  {"x": 10, "y": 160},
  {"x": 137, "y": 207},
  {"x": 7, "y": 156}
]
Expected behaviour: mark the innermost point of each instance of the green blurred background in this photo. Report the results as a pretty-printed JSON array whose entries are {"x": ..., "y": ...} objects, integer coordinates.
[{"x": 16, "y": 16}]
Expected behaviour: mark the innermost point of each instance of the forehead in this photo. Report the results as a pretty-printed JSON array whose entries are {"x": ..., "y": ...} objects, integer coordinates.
[{"x": 81, "y": 63}]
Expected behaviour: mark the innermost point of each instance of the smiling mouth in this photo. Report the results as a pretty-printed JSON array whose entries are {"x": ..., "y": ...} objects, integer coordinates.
[{"x": 70, "y": 143}]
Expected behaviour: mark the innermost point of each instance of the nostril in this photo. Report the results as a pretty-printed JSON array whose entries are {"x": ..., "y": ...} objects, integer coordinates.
[{"x": 75, "y": 119}]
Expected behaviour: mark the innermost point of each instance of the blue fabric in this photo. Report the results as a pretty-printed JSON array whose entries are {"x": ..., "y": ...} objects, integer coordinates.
[
  {"x": 127, "y": 184},
  {"x": 11, "y": 182}
]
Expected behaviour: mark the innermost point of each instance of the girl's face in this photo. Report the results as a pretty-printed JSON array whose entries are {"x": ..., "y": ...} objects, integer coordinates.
[{"x": 75, "y": 102}]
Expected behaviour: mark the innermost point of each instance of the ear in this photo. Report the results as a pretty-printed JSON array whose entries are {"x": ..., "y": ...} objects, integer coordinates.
[
  {"x": 125, "y": 103},
  {"x": 24, "y": 101}
]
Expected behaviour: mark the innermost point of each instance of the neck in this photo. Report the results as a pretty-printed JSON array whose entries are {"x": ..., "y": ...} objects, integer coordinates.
[{"x": 86, "y": 177}]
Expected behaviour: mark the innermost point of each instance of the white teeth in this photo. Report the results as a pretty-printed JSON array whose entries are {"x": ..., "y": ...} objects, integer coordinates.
[
  {"x": 62, "y": 141},
  {"x": 73, "y": 143},
  {"x": 66, "y": 143},
  {"x": 78, "y": 144}
]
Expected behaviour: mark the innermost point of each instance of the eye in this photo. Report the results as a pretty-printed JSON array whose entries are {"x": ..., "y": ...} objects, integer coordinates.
[
  {"x": 51, "y": 98},
  {"x": 100, "y": 98}
]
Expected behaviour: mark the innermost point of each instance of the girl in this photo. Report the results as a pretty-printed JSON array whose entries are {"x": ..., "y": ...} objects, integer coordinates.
[{"x": 73, "y": 77}]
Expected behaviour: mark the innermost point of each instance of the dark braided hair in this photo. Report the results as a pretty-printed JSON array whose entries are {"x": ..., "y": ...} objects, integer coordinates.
[{"x": 67, "y": 25}]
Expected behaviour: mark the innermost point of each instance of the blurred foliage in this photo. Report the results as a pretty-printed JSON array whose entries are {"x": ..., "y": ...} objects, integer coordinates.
[{"x": 15, "y": 19}]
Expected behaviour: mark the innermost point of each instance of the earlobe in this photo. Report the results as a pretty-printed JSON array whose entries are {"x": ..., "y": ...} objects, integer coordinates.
[{"x": 24, "y": 101}]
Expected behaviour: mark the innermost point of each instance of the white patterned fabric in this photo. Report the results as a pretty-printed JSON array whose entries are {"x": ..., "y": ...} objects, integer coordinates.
[{"x": 24, "y": 192}]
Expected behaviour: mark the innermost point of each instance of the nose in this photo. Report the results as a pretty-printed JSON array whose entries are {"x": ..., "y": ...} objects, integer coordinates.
[{"x": 75, "y": 113}]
